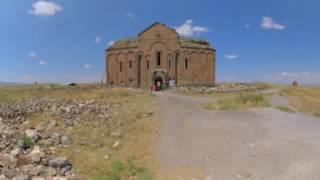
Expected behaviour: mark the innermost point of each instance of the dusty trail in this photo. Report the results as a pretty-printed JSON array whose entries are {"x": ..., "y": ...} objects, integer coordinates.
[{"x": 255, "y": 144}]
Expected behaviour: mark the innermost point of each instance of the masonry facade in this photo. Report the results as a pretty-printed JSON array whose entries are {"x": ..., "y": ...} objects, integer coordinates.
[{"x": 160, "y": 54}]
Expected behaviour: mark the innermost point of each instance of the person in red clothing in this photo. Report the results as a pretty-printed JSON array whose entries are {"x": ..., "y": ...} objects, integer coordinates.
[{"x": 153, "y": 88}]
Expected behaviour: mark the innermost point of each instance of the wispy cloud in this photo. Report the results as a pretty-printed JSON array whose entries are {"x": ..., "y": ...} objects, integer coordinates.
[
  {"x": 87, "y": 66},
  {"x": 187, "y": 29},
  {"x": 111, "y": 43},
  {"x": 231, "y": 56},
  {"x": 247, "y": 26},
  {"x": 269, "y": 23},
  {"x": 97, "y": 39},
  {"x": 131, "y": 15},
  {"x": 32, "y": 54},
  {"x": 45, "y": 8},
  {"x": 43, "y": 63}
]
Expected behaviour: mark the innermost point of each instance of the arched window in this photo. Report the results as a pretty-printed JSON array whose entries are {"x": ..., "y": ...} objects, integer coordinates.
[
  {"x": 186, "y": 63},
  {"x": 130, "y": 64},
  {"x": 147, "y": 64},
  {"x": 120, "y": 66},
  {"x": 158, "y": 58}
]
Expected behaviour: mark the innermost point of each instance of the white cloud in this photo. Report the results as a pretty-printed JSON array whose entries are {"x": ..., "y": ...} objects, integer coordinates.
[
  {"x": 187, "y": 29},
  {"x": 97, "y": 40},
  {"x": 131, "y": 15},
  {"x": 42, "y": 63},
  {"x": 32, "y": 54},
  {"x": 45, "y": 8},
  {"x": 247, "y": 26},
  {"x": 269, "y": 23},
  {"x": 111, "y": 43},
  {"x": 231, "y": 56},
  {"x": 87, "y": 66}
]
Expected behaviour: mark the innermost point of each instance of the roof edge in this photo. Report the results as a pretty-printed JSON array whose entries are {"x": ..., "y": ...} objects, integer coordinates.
[{"x": 157, "y": 23}]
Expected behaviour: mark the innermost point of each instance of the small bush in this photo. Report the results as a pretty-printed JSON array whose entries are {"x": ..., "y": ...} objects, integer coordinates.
[
  {"x": 27, "y": 142},
  {"x": 285, "y": 109},
  {"x": 253, "y": 100},
  {"x": 228, "y": 104},
  {"x": 119, "y": 170},
  {"x": 140, "y": 172}
]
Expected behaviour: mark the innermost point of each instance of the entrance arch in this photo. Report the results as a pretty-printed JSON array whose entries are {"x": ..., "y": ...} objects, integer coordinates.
[{"x": 159, "y": 76}]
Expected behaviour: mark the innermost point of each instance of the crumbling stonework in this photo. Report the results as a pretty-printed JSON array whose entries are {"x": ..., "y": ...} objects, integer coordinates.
[{"x": 160, "y": 54}]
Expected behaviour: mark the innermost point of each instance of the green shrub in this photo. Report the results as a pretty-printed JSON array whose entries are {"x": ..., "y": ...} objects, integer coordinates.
[
  {"x": 119, "y": 170},
  {"x": 27, "y": 142}
]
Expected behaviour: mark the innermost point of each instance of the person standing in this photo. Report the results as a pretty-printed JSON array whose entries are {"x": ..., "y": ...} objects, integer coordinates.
[{"x": 158, "y": 86}]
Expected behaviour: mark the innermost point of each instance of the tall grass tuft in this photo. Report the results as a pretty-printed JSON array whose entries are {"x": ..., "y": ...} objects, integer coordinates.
[{"x": 241, "y": 101}]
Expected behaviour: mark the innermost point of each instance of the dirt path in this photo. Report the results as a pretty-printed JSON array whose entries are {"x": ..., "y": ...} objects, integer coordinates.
[{"x": 254, "y": 144}]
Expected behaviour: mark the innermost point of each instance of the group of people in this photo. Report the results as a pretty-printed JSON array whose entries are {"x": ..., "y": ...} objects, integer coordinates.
[{"x": 163, "y": 85}]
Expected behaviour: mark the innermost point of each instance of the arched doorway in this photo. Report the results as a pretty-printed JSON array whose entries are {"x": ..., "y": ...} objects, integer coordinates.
[
  {"x": 158, "y": 82},
  {"x": 158, "y": 79}
]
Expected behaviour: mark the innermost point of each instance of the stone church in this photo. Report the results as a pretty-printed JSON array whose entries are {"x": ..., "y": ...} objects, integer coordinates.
[{"x": 158, "y": 53}]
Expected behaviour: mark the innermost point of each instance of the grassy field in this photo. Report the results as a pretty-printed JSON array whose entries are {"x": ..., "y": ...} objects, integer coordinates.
[
  {"x": 229, "y": 102},
  {"x": 305, "y": 99},
  {"x": 91, "y": 152}
]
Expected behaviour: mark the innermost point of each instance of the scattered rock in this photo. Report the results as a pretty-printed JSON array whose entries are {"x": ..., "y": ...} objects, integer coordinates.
[
  {"x": 21, "y": 177},
  {"x": 38, "y": 178},
  {"x": 38, "y": 163},
  {"x": 36, "y": 154},
  {"x": 59, "y": 178},
  {"x": 2, "y": 177},
  {"x": 222, "y": 88},
  {"x": 116, "y": 145},
  {"x": 59, "y": 162},
  {"x": 116, "y": 134},
  {"x": 33, "y": 134},
  {"x": 65, "y": 140},
  {"x": 56, "y": 138},
  {"x": 15, "y": 152},
  {"x": 107, "y": 157}
]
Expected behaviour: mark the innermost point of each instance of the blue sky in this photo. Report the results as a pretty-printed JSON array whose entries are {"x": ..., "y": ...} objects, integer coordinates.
[{"x": 64, "y": 40}]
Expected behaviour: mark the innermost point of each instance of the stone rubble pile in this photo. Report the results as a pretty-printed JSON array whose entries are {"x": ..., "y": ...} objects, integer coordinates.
[
  {"x": 30, "y": 153},
  {"x": 222, "y": 88},
  {"x": 19, "y": 160},
  {"x": 70, "y": 111}
]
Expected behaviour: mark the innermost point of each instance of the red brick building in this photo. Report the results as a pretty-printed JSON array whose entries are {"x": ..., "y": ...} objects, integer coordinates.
[{"x": 159, "y": 54}]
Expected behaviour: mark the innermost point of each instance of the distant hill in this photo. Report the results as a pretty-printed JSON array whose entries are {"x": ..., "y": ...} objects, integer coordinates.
[{"x": 11, "y": 83}]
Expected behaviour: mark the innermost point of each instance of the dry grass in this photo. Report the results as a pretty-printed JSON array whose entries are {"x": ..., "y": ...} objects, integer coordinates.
[
  {"x": 285, "y": 109},
  {"x": 238, "y": 101},
  {"x": 306, "y": 99},
  {"x": 92, "y": 143}
]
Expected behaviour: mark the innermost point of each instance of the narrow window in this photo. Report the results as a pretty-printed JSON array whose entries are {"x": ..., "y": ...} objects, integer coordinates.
[
  {"x": 186, "y": 63},
  {"x": 148, "y": 64},
  {"x": 120, "y": 66},
  {"x": 158, "y": 58},
  {"x": 169, "y": 64},
  {"x": 130, "y": 64}
]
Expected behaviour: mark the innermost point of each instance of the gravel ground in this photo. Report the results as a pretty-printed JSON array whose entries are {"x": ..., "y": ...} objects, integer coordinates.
[{"x": 255, "y": 144}]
